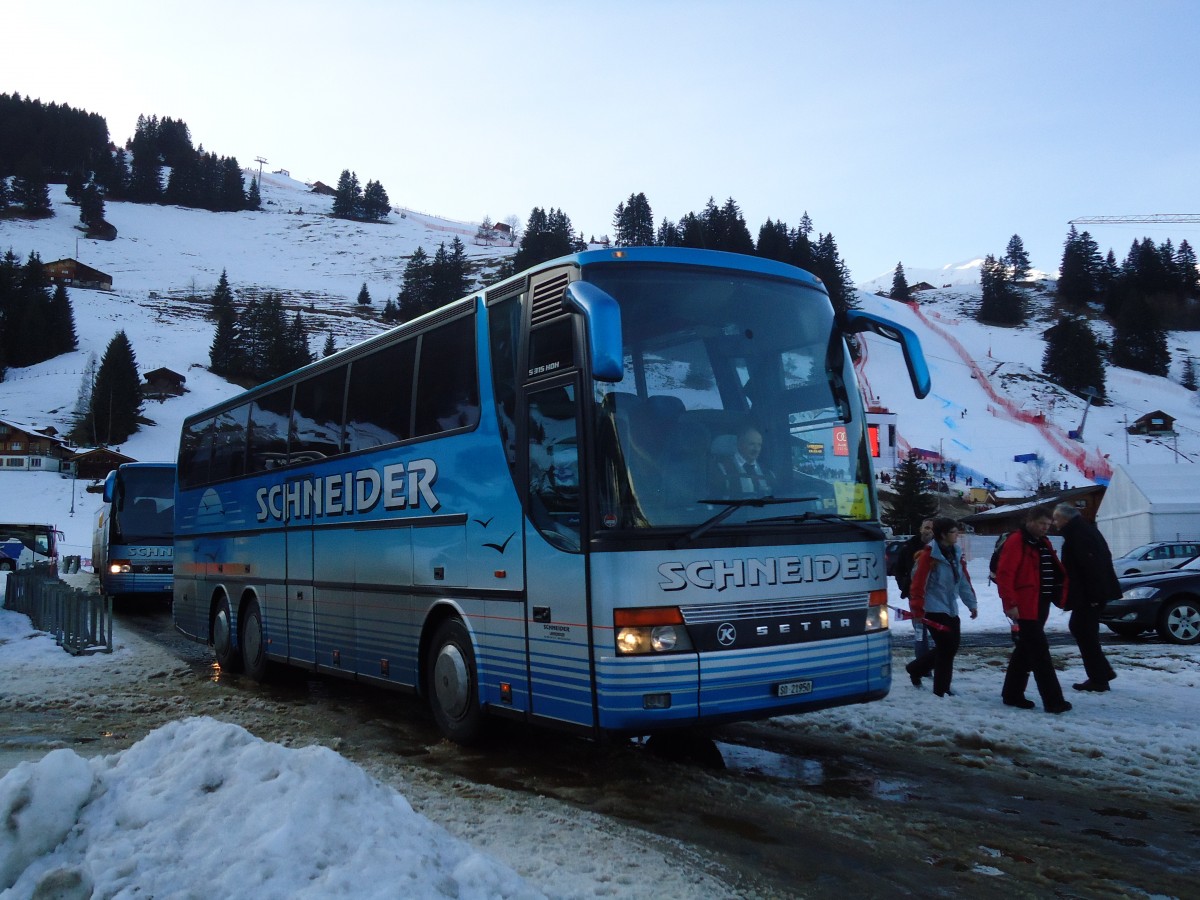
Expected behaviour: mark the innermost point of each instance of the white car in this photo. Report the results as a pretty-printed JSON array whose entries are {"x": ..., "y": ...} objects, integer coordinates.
[{"x": 1156, "y": 557}]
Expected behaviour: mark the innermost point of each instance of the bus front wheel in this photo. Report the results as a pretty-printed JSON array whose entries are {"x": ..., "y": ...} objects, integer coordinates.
[
  {"x": 227, "y": 655},
  {"x": 254, "y": 646},
  {"x": 453, "y": 684}
]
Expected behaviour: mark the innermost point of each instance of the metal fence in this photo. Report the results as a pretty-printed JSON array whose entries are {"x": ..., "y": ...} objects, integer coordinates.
[{"x": 81, "y": 622}]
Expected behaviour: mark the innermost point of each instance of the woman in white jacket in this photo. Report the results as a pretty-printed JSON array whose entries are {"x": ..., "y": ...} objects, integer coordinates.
[{"x": 939, "y": 582}]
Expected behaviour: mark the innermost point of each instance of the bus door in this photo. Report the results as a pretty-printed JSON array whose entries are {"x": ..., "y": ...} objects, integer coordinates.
[
  {"x": 301, "y": 625},
  {"x": 555, "y": 565}
]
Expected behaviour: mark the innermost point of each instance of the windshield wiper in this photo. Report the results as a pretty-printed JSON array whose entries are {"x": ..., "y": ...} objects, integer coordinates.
[
  {"x": 730, "y": 507},
  {"x": 867, "y": 527}
]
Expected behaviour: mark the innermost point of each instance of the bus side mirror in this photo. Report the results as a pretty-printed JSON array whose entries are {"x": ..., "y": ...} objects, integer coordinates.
[
  {"x": 110, "y": 486},
  {"x": 602, "y": 317},
  {"x": 914, "y": 357}
]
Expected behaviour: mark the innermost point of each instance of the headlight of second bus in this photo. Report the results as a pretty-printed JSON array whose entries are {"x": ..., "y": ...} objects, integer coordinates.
[
  {"x": 648, "y": 630},
  {"x": 120, "y": 567}
]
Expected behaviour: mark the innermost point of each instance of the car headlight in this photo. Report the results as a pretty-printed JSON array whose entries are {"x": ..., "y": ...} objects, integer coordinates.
[{"x": 1139, "y": 593}]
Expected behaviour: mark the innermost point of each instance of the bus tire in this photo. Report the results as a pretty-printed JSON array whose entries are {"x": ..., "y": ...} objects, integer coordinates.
[
  {"x": 453, "y": 683},
  {"x": 6, "y": 565},
  {"x": 254, "y": 644},
  {"x": 228, "y": 657}
]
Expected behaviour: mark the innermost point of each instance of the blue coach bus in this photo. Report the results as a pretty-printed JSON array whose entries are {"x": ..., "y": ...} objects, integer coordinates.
[
  {"x": 532, "y": 503},
  {"x": 133, "y": 534}
]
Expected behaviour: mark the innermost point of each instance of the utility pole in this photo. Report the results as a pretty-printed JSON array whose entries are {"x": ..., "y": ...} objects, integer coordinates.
[{"x": 260, "y": 161}]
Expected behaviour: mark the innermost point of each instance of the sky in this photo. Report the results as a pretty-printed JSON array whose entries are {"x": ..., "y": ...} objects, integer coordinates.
[
  {"x": 925, "y": 133},
  {"x": 80, "y": 810}
]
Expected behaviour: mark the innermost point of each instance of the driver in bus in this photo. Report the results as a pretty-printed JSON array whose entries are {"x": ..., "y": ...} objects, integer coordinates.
[{"x": 742, "y": 474}]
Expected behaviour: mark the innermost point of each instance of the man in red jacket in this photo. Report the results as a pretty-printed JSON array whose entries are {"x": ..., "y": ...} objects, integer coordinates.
[{"x": 1031, "y": 579}]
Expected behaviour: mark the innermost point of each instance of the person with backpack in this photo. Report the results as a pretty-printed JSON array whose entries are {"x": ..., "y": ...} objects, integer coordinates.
[
  {"x": 939, "y": 583},
  {"x": 906, "y": 558}
]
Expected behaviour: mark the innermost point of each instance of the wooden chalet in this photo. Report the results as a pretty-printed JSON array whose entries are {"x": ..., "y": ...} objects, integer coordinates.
[
  {"x": 1153, "y": 423},
  {"x": 320, "y": 187},
  {"x": 73, "y": 273},
  {"x": 91, "y": 465},
  {"x": 163, "y": 383},
  {"x": 26, "y": 449}
]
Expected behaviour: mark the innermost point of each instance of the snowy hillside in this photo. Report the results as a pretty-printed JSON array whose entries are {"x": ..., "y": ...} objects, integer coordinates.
[{"x": 988, "y": 394}]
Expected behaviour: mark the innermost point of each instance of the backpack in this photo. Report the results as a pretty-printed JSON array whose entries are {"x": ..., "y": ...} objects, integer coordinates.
[{"x": 994, "y": 562}]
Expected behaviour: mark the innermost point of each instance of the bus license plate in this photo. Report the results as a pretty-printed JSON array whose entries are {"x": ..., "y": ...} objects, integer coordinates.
[{"x": 792, "y": 688}]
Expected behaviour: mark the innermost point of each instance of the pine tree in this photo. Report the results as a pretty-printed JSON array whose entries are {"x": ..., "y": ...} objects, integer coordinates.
[
  {"x": 222, "y": 297},
  {"x": 1000, "y": 303},
  {"x": 416, "y": 294},
  {"x": 1072, "y": 357},
  {"x": 364, "y": 296},
  {"x": 828, "y": 265},
  {"x": 62, "y": 322},
  {"x": 145, "y": 177},
  {"x": 633, "y": 222},
  {"x": 1189, "y": 373},
  {"x": 117, "y": 394},
  {"x": 347, "y": 200},
  {"x": 330, "y": 347},
  {"x": 298, "y": 352},
  {"x": 900, "y": 289},
  {"x": 486, "y": 232},
  {"x": 375, "y": 202},
  {"x": 1138, "y": 342},
  {"x": 774, "y": 241},
  {"x": 667, "y": 234},
  {"x": 547, "y": 235},
  {"x": 30, "y": 191},
  {"x": 912, "y": 504},
  {"x": 1189, "y": 275},
  {"x": 1016, "y": 259},
  {"x": 224, "y": 357},
  {"x": 391, "y": 311},
  {"x": 91, "y": 205},
  {"x": 253, "y": 196},
  {"x": 1078, "y": 269}
]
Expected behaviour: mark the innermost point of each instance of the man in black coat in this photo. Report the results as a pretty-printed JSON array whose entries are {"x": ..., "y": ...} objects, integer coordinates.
[{"x": 1091, "y": 583}]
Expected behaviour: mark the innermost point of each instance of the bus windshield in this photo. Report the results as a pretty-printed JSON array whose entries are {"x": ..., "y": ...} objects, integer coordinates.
[
  {"x": 737, "y": 392},
  {"x": 144, "y": 507}
]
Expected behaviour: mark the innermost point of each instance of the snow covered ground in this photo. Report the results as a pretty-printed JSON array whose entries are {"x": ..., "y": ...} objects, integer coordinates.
[{"x": 201, "y": 801}]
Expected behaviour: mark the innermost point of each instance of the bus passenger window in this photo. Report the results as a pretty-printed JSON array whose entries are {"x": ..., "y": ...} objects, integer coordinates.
[
  {"x": 447, "y": 386},
  {"x": 379, "y": 405},
  {"x": 554, "y": 466},
  {"x": 269, "y": 417},
  {"x": 317, "y": 416}
]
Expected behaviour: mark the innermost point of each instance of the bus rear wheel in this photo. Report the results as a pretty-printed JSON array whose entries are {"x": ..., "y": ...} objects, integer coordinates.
[
  {"x": 6, "y": 565},
  {"x": 227, "y": 655},
  {"x": 254, "y": 646},
  {"x": 453, "y": 684}
]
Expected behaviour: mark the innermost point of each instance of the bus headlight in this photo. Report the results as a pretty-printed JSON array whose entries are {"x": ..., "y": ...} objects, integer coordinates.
[
  {"x": 649, "y": 630},
  {"x": 120, "y": 567},
  {"x": 877, "y": 611}
]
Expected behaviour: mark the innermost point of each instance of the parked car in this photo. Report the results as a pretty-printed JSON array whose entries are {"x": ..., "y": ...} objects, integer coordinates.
[
  {"x": 1167, "y": 601},
  {"x": 1156, "y": 557}
]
